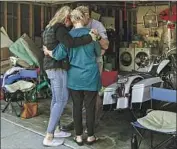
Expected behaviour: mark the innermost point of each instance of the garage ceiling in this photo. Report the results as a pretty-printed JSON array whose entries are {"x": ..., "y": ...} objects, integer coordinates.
[{"x": 119, "y": 3}]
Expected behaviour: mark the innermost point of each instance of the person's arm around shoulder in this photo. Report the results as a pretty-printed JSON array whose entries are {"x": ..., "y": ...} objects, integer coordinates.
[
  {"x": 58, "y": 53},
  {"x": 65, "y": 38}
]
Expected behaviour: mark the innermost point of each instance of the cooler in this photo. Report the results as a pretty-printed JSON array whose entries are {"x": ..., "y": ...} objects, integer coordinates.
[{"x": 141, "y": 90}]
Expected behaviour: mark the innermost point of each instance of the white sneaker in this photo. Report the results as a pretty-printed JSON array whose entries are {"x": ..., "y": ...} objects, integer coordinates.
[
  {"x": 52, "y": 142},
  {"x": 61, "y": 134}
]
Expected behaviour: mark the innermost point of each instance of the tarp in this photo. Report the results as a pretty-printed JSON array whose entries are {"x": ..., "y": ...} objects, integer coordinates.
[{"x": 26, "y": 49}]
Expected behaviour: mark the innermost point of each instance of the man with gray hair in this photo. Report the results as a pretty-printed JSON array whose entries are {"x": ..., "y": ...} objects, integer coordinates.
[{"x": 104, "y": 43}]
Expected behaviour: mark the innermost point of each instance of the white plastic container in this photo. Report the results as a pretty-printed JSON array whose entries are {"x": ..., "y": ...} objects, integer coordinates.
[
  {"x": 108, "y": 92},
  {"x": 141, "y": 90},
  {"x": 122, "y": 103}
]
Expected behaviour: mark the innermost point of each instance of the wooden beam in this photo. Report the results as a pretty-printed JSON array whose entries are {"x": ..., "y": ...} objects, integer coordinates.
[
  {"x": 42, "y": 18},
  {"x": 30, "y": 2},
  {"x": 31, "y": 22},
  {"x": 18, "y": 20},
  {"x": 5, "y": 15}
]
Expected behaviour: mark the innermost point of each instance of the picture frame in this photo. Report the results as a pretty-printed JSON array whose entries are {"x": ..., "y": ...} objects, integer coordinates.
[{"x": 150, "y": 21}]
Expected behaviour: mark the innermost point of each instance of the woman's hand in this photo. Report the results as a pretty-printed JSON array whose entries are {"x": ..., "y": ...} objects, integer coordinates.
[
  {"x": 46, "y": 51},
  {"x": 94, "y": 34},
  {"x": 94, "y": 37},
  {"x": 94, "y": 31}
]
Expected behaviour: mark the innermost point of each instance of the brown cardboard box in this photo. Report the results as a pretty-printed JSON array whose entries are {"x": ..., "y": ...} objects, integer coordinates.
[
  {"x": 5, "y": 54},
  {"x": 5, "y": 65}
]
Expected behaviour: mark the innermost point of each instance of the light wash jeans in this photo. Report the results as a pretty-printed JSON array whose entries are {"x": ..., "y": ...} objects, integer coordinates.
[{"x": 58, "y": 80}]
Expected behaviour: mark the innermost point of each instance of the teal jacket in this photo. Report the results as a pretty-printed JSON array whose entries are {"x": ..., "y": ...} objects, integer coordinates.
[{"x": 84, "y": 72}]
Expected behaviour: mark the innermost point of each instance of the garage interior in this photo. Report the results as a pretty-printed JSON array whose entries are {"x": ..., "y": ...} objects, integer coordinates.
[{"x": 135, "y": 40}]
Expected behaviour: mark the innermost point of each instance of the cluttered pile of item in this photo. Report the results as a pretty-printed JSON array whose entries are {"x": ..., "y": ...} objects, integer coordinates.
[{"x": 22, "y": 77}]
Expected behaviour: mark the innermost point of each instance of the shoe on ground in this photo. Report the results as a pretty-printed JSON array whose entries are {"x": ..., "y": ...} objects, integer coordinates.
[
  {"x": 61, "y": 134},
  {"x": 68, "y": 127},
  {"x": 52, "y": 143}
]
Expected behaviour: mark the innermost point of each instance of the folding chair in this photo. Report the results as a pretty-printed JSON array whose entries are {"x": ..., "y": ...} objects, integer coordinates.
[
  {"x": 18, "y": 93},
  {"x": 141, "y": 126}
]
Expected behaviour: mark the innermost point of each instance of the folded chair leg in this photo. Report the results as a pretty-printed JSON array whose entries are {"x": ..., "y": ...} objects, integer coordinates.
[
  {"x": 164, "y": 142},
  {"x": 20, "y": 104},
  {"x": 139, "y": 143},
  {"x": 18, "y": 115},
  {"x": 141, "y": 136},
  {"x": 151, "y": 139},
  {"x": 6, "y": 106}
]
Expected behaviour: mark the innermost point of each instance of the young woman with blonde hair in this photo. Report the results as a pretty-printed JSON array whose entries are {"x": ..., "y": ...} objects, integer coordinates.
[
  {"x": 57, "y": 32},
  {"x": 83, "y": 77}
]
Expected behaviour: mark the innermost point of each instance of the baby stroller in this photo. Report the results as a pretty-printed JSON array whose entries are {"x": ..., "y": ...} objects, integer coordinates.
[{"x": 28, "y": 68}]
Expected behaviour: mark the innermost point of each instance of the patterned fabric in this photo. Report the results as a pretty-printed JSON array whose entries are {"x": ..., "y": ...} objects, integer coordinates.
[
  {"x": 49, "y": 37},
  {"x": 50, "y": 41}
]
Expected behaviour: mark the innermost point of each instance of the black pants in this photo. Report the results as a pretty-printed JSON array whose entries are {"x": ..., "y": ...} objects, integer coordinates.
[{"x": 89, "y": 100}]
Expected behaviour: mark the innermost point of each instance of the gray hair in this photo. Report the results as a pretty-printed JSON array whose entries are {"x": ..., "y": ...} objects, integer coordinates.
[
  {"x": 83, "y": 9},
  {"x": 77, "y": 15}
]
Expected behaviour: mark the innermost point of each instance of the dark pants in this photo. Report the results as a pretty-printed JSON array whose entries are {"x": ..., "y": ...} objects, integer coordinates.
[{"x": 89, "y": 100}]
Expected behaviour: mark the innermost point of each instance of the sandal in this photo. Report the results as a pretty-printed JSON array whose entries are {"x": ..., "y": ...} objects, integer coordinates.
[
  {"x": 78, "y": 143},
  {"x": 93, "y": 141}
]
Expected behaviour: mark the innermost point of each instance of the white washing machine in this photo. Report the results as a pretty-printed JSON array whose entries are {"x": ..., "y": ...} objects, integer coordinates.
[
  {"x": 126, "y": 59},
  {"x": 142, "y": 59}
]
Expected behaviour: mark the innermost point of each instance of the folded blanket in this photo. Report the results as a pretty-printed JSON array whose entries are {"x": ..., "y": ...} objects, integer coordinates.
[{"x": 163, "y": 121}]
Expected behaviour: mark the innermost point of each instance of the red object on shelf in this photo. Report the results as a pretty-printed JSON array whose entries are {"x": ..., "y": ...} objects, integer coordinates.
[
  {"x": 164, "y": 15},
  {"x": 108, "y": 77},
  {"x": 171, "y": 26}
]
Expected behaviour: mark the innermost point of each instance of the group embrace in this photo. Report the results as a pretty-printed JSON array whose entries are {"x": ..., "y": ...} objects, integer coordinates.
[{"x": 73, "y": 63}]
